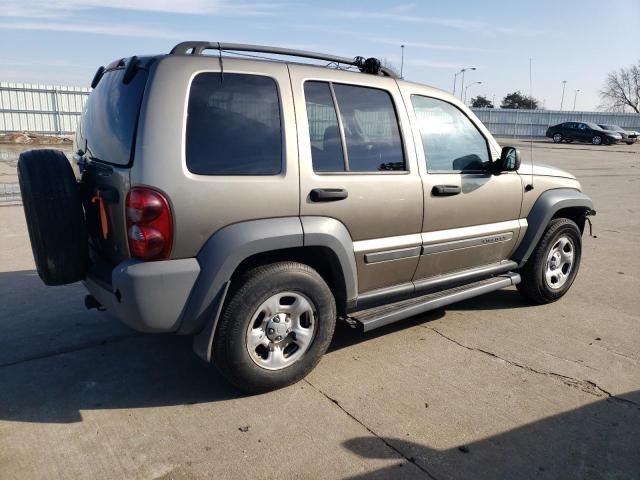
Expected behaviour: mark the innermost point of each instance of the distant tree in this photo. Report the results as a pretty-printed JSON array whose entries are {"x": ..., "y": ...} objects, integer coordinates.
[
  {"x": 481, "y": 102},
  {"x": 517, "y": 100},
  {"x": 621, "y": 90}
]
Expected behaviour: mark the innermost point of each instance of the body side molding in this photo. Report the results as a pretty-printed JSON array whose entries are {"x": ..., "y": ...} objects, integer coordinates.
[{"x": 543, "y": 210}]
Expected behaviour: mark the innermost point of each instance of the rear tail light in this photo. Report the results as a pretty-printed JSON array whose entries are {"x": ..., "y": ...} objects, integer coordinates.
[{"x": 149, "y": 225}]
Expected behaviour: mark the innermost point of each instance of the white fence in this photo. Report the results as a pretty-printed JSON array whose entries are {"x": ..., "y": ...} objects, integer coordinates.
[
  {"x": 52, "y": 110},
  {"x": 44, "y": 109},
  {"x": 525, "y": 123}
]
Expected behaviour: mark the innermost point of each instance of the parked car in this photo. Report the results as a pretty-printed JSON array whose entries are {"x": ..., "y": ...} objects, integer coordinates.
[
  {"x": 628, "y": 136},
  {"x": 582, "y": 132},
  {"x": 252, "y": 203}
]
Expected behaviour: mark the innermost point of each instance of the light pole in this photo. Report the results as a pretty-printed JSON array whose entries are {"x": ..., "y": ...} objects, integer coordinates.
[
  {"x": 455, "y": 77},
  {"x": 575, "y": 96},
  {"x": 402, "y": 62},
  {"x": 465, "y": 90},
  {"x": 564, "y": 84}
]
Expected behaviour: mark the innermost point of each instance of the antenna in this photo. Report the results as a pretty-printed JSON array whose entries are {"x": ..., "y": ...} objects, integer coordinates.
[{"x": 529, "y": 187}]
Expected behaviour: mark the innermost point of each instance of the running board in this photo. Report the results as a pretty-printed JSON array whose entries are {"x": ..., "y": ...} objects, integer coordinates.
[{"x": 384, "y": 315}]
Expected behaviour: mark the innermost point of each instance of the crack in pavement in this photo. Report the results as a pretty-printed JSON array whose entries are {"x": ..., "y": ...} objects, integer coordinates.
[
  {"x": 62, "y": 351},
  {"x": 411, "y": 460},
  {"x": 586, "y": 386}
]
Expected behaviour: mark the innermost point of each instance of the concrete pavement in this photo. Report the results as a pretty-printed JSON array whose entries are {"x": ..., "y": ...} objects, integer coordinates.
[{"x": 489, "y": 388}]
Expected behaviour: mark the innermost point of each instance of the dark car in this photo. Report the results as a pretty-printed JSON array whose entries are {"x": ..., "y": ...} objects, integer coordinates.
[
  {"x": 628, "y": 136},
  {"x": 582, "y": 132}
]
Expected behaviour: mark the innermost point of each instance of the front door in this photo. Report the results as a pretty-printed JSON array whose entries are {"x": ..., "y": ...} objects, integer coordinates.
[
  {"x": 358, "y": 166},
  {"x": 471, "y": 217}
]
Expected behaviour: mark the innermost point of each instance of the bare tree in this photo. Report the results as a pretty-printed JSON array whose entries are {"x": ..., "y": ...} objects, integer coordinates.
[{"x": 621, "y": 90}]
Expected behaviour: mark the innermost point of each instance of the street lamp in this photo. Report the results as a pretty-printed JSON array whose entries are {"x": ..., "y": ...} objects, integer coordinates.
[
  {"x": 575, "y": 96},
  {"x": 564, "y": 84},
  {"x": 455, "y": 77},
  {"x": 467, "y": 88},
  {"x": 402, "y": 62}
]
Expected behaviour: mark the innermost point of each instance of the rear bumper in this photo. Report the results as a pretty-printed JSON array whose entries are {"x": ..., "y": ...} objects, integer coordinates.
[{"x": 147, "y": 296}]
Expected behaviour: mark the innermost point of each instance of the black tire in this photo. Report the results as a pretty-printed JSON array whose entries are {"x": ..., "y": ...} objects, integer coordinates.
[
  {"x": 533, "y": 285},
  {"x": 629, "y": 143},
  {"x": 54, "y": 214},
  {"x": 557, "y": 137},
  {"x": 230, "y": 350},
  {"x": 597, "y": 140}
]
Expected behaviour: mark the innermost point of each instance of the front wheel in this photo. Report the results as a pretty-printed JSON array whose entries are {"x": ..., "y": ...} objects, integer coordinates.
[
  {"x": 596, "y": 140},
  {"x": 557, "y": 137},
  {"x": 275, "y": 327},
  {"x": 553, "y": 265}
]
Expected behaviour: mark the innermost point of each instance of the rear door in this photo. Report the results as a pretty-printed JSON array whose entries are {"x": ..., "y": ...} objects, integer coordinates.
[
  {"x": 104, "y": 145},
  {"x": 352, "y": 143}
]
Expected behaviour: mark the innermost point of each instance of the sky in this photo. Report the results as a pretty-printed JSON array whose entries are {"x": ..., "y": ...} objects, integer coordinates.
[{"x": 62, "y": 42}]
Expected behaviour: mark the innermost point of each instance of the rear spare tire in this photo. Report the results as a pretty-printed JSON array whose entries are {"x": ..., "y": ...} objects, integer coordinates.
[{"x": 55, "y": 217}]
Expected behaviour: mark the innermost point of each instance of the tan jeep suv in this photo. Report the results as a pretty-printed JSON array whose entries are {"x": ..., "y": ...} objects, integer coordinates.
[{"x": 250, "y": 203}]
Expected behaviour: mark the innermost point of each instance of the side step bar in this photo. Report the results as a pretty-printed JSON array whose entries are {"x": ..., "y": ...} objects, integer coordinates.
[{"x": 384, "y": 315}]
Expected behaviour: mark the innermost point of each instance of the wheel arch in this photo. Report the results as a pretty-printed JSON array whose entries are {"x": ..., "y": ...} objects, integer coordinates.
[
  {"x": 562, "y": 202},
  {"x": 322, "y": 243}
]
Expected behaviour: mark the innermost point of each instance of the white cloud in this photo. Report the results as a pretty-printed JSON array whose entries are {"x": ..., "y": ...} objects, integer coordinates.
[
  {"x": 65, "y": 8},
  {"x": 402, "y": 14},
  {"x": 117, "y": 30},
  {"x": 424, "y": 45}
]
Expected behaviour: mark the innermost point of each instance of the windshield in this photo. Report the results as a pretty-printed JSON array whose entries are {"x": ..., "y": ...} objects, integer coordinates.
[{"x": 615, "y": 128}]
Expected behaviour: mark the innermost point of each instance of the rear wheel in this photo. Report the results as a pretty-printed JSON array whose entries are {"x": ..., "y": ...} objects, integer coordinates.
[
  {"x": 54, "y": 214},
  {"x": 596, "y": 140},
  {"x": 557, "y": 137},
  {"x": 275, "y": 327},
  {"x": 553, "y": 265}
]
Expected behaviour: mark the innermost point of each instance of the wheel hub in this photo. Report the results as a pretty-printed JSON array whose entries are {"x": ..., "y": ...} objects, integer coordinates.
[
  {"x": 281, "y": 330},
  {"x": 278, "y": 327}
]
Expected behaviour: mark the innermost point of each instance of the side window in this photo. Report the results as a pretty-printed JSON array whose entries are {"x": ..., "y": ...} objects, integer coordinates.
[
  {"x": 370, "y": 129},
  {"x": 367, "y": 122},
  {"x": 233, "y": 125},
  {"x": 451, "y": 142},
  {"x": 324, "y": 131}
]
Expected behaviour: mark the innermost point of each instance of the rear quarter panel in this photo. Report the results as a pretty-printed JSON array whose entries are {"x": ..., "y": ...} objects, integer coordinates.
[{"x": 202, "y": 204}]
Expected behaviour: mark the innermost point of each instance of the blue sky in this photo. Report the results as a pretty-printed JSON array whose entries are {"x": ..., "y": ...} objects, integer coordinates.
[{"x": 64, "y": 41}]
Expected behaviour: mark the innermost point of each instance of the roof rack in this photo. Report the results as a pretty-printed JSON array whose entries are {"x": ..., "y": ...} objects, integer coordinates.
[{"x": 369, "y": 65}]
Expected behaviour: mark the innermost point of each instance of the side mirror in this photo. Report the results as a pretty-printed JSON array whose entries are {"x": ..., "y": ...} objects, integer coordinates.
[{"x": 509, "y": 160}]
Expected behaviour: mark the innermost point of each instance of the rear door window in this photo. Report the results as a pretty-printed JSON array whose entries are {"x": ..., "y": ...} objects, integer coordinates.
[
  {"x": 234, "y": 125},
  {"x": 352, "y": 128}
]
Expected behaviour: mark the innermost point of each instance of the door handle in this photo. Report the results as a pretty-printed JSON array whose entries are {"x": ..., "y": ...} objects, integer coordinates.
[
  {"x": 328, "y": 194},
  {"x": 445, "y": 190}
]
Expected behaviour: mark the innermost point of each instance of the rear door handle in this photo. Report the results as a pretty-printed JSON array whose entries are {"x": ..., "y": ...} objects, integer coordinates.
[
  {"x": 445, "y": 190},
  {"x": 328, "y": 194}
]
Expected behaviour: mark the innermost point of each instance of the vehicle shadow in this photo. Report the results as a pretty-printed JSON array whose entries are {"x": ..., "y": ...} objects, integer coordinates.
[
  {"x": 58, "y": 359},
  {"x": 597, "y": 441}
]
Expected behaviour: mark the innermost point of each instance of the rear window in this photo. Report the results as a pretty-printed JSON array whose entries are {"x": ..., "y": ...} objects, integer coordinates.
[
  {"x": 233, "y": 125},
  {"x": 110, "y": 119}
]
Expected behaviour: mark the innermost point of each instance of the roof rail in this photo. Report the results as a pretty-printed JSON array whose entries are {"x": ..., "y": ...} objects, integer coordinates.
[{"x": 369, "y": 65}]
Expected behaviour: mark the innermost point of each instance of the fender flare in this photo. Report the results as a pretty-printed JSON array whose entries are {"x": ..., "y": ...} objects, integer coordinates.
[
  {"x": 229, "y": 247},
  {"x": 543, "y": 210}
]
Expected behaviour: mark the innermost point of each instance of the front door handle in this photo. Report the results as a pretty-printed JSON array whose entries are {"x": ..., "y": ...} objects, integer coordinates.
[
  {"x": 445, "y": 190},
  {"x": 328, "y": 194}
]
